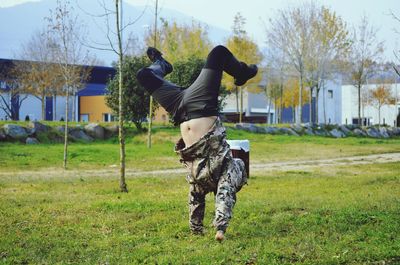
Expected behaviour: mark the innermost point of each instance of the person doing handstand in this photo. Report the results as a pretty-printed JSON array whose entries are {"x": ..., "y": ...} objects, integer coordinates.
[{"x": 203, "y": 147}]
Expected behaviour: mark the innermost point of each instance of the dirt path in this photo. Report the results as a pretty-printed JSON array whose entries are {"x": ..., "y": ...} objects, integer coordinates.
[
  {"x": 350, "y": 160},
  {"x": 273, "y": 166}
]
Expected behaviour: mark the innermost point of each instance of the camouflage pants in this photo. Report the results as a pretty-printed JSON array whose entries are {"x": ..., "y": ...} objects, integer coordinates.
[{"x": 212, "y": 169}]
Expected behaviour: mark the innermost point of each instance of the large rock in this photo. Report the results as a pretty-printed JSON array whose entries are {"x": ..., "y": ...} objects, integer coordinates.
[
  {"x": 320, "y": 132},
  {"x": 373, "y": 132},
  {"x": 38, "y": 127},
  {"x": 78, "y": 134},
  {"x": 15, "y": 131},
  {"x": 337, "y": 134},
  {"x": 359, "y": 132},
  {"x": 384, "y": 132},
  {"x": 345, "y": 130},
  {"x": 288, "y": 131},
  {"x": 3, "y": 136},
  {"x": 247, "y": 127},
  {"x": 94, "y": 130},
  {"x": 61, "y": 129},
  {"x": 393, "y": 131},
  {"x": 309, "y": 131},
  {"x": 31, "y": 140},
  {"x": 111, "y": 131},
  {"x": 297, "y": 128},
  {"x": 271, "y": 130}
]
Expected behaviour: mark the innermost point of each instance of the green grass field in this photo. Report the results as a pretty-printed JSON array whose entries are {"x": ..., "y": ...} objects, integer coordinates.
[
  {"x": 103, "y": 154},
  {"x": 324, "y": 215}
]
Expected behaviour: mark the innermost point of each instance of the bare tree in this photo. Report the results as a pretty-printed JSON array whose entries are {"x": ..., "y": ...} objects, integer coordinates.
[
  {"x": 396, "y": 53},
  {"x": 366, "y": 49},
  {"x": 115, "y": 44},
  {"x": 329, "y": 47},
  {"x": 37, "y": 72},
  {"x": 66, "y": 32},
  {"x": 291, "y": 32},
  {"x": 276, "y": 71}
]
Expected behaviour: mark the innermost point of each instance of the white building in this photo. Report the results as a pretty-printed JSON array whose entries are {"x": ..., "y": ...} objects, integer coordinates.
[
  {"x": 341, "y": 105},
  {"x": 32, "y": 107},
  {"x": 256, "y": 107}
]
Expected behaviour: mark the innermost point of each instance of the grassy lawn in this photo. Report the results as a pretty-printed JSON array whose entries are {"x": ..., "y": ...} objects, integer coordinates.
[
  {"x": 105, "y": 154},
  {"x": 336, "y": 215},
  {"x": 327, "y": 215}
]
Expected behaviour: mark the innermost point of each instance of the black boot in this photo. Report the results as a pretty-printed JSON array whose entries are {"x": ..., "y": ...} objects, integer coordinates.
[
  {"x": 160, "y": 66},
  {"x": 239, "y": 70},
  {"x": 247, "y": 72}
]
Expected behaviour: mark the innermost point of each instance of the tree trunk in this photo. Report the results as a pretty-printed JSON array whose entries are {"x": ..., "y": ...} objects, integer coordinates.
[
  {"x": 300, "y": 99},
  {"x": 276, "y": 110},
  {"x": 73, "y": 105},
  {"x": 359, "y": 105},
  {"x": 151, "y": 98},
  {"x": 269, "y": 101},
  {"x": 281, "y": 107},
  {"x": 241, "y": 105},
  {"x": 43, "y": 99},
  {"x": 269, "y": 120},
  {"x": 55, "y": 108},
  {"x": 311, "y": 92},
  {"x": 237, "y": 99},
  {"x": 150, "y": 123},
  {"x": 293, "y": 115},
  {"x": 122, "y": 183},
  {"x": 324, "y": 102},
  {"x": 66, "y": 128},
  {"x": 379, "y": 116},
  {"x": 316, "y": 105}
]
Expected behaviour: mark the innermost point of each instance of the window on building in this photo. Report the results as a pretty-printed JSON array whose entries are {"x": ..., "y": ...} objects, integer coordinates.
[
  {"x": 330, "y": 93},
  {"x": 364, "y": 121},
  {"x": 108, "y": 117},
  {"x": 85, "y": 117}
]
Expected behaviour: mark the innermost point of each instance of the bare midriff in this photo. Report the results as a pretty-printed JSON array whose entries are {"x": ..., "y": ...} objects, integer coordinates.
[{"x": 192, "y": 130}]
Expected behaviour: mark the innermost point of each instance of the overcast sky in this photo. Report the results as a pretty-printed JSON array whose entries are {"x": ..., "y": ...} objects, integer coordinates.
[{"x": 221, "y": 12}]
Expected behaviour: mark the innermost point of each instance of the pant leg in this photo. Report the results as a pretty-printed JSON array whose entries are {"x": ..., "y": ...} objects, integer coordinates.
[
  {"x": 167, "y": 94},
  {"x": 197, "y": 204},
  {"x": 203, "y": 94},
  {"x": 232, "y": 180},
  {"x": 222, "y": 59},
  {"x": 207, "y": 84}
]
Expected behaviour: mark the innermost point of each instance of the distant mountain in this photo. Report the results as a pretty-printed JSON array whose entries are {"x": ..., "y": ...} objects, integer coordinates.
[{"x": 19, "y": 22}]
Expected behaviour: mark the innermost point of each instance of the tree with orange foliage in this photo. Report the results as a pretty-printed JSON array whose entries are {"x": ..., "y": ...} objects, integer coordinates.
[
  {"x": 180, "y": 42},
  {"x": 290, "y": 96},
  {"x": 380, "y": 96},
  {"x": 245, "y": 49}
]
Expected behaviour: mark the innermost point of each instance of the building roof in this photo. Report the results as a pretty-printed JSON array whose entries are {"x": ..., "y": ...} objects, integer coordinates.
[
  {"x": 93, "y": 90},
  {"x": 101, "y": 74},
  {"x": 96, "y": 84}
]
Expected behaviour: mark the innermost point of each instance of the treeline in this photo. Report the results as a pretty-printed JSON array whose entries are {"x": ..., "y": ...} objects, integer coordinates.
[{"x": 307, "y": 45}]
